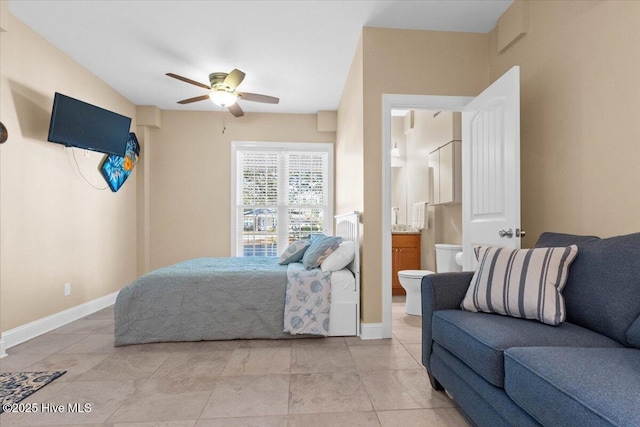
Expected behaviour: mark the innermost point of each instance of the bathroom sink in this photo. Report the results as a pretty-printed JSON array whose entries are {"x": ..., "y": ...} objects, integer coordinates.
[{"x": 403, "y": 228}]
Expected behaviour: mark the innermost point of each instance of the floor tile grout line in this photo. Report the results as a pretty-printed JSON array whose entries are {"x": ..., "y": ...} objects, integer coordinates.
[
  {"x": 407, "y": 350},
  {"x": 142, "y": 382},
  {"x": 43, "y": 335},
  {"x": 289, "y": 382},
  {"x": 373, "y": 406},
  {"x": 206, "y": 401}
]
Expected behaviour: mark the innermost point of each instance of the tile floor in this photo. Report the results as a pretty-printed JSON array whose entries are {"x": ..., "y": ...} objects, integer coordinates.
[{"x": 303, "y": 382}]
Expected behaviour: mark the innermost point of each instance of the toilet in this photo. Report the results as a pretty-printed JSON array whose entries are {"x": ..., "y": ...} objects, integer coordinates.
[
  {"x": 411, "y": 280},
  {"x": 447, "y": 258}
]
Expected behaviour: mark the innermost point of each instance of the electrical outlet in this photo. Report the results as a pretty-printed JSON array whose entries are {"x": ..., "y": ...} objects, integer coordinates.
[{"x": 67, "y": 289}]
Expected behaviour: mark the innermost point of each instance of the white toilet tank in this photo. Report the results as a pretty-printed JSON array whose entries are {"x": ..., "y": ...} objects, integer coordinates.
[{"x": 446, "y": 258}]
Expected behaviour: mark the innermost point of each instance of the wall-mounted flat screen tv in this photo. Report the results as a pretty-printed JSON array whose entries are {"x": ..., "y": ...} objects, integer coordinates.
[{"x": 75, "y": 123}]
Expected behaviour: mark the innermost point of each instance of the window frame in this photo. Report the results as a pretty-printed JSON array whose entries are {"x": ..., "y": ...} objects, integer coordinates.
[{"x": 325, "y": 147}]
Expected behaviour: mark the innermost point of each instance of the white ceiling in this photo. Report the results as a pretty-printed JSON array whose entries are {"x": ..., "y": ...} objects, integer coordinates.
[{"x": 299, "y": 51}]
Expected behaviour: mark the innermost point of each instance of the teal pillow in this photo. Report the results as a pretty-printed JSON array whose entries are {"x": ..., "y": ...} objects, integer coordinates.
[
  {"x": 316, "y": 236},
  {"x": 319, "y": 250},
  {"x": 294, "y": 252}
]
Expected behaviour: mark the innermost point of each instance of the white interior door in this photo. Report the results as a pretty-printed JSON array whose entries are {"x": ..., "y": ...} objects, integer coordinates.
[{"x": 491, "y": 168}]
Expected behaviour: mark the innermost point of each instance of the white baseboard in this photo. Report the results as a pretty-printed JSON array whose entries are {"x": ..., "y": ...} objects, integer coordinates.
[
  {"x": 371, "y": 331},
  {"x": 38, "y": 327}
]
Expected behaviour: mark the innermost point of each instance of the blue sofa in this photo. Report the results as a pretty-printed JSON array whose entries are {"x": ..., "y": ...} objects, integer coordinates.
[{"x": 505, "y": 371}]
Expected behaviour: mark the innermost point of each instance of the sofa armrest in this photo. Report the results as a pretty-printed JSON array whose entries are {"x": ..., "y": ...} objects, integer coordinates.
[{"x": 444, "y": 291}]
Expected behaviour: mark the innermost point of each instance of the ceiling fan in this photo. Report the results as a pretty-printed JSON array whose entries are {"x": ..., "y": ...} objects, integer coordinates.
[{"x": 222, "y": 91}]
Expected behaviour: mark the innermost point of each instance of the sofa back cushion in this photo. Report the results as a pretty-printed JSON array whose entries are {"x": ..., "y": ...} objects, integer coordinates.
[
  {"x": 603, "y": 289},
  {"x": 552, "y": 240}
]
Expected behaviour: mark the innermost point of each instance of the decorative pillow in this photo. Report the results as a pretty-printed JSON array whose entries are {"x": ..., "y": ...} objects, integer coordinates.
[
  {"x": 339, "y": 258},
  {"x": 316, "y": 236},
  {"x": 319, "y": 250},
  {"x": 294, "y": 252},
  {"x": 523, "y": 283}
]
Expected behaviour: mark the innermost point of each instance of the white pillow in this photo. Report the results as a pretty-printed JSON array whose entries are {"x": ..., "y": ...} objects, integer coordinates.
[{"x": 339, "y": 258}]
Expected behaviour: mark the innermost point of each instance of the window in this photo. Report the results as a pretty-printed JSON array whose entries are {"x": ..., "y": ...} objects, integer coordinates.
[{"x": 281, "y": 192}]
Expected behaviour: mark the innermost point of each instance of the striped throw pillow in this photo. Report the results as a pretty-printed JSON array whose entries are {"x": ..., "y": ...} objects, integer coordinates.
[{"x": 523, "y": 283}]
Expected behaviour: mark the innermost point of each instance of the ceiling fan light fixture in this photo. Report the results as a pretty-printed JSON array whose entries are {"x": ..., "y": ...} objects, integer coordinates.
[
  {"x": 223, "y": 98},
  {"x": 222, "y": 91}
]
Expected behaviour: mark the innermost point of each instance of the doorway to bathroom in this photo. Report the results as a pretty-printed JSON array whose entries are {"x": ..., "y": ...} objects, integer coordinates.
[
  {"x": 426, "y": 212},
  {"x": 490, "y": 167},
  {"x": 426, "y": 186},
  {"x": 406, "y": 170}
]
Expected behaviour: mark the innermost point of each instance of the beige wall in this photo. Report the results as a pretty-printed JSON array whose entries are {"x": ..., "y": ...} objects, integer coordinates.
[
  {"x": 350, "y": 140},
  {"x": 580, "y": 103},
  {"x": 406, "y": 62},
  {"x": 190, "y": 177},
  {"x": 349, "y": 167},
  {"x": 55, "y": 228}
]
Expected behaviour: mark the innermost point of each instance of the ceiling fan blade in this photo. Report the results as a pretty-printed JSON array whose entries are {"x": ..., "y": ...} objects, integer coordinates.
[
  {"x": 233, "y": 79},
  {"x": 195, "y": 99},
  {"x": 186, "y": 80},
  {"x": 235, "y": 110},
  {"x": 255, "y": 97}
]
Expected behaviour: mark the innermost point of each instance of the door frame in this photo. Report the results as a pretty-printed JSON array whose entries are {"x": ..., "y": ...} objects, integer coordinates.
[{"x": 401, "y": 102}]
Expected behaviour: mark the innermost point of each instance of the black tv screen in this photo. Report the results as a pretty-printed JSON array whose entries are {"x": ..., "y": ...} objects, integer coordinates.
[{"x": 75, "y": 123}]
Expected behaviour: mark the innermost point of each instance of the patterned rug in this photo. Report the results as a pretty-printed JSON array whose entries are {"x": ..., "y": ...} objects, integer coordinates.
[{"x": 19, "y": 385}]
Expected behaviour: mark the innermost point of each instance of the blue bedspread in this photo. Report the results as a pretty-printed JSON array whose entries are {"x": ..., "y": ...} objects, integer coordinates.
[{"x": 204, "y": 299}]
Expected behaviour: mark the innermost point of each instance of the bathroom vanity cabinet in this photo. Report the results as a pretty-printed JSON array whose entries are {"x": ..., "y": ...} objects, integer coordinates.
[{"x": 405, "y": 255}]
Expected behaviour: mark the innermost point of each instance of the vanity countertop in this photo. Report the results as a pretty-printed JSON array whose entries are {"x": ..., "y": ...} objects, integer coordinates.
[{"x": 403, "y": 229}]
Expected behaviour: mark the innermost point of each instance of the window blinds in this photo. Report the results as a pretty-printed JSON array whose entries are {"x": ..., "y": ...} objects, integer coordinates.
[{"x": 281, "y": 196}]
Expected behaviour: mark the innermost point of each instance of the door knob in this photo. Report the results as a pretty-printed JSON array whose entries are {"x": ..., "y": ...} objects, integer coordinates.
[
  {"x": 520, "y": 233},
  {"x": 3, "y": 133},
  {"x": 508, "y": 233}
]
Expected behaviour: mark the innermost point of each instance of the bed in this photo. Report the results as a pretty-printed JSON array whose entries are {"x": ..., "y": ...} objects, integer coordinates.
[{"x": 229, "y": 298}]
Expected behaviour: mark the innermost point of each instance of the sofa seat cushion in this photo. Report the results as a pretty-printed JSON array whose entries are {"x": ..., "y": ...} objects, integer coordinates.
[
  {"x": 576, "y": 386},
  {"x": 479, "y": 339},
  {"x": 479, "y": 399}
]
